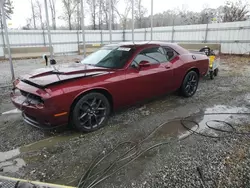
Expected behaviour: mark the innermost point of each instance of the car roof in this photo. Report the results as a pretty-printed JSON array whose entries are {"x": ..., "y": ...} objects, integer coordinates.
[{"x": 143, "y": 44}]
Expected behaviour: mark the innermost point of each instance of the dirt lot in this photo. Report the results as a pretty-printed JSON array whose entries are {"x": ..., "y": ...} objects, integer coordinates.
[{"x": 62, "y": 156}]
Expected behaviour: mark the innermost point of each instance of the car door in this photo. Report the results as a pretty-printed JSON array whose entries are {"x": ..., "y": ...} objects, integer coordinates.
[{"x": 148, "y": 81}]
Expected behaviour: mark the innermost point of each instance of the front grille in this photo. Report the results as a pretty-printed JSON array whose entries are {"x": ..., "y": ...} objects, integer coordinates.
[
  {"x": 31, "y": 117},
  {"x": 31, "y": 97}
]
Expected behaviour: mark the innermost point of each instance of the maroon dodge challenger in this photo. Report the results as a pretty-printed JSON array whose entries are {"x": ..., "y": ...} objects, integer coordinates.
[{"x": 83, "y": 94}]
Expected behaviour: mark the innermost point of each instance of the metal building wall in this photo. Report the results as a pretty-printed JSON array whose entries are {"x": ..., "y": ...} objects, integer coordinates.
[{"x": 234, "y": 37}]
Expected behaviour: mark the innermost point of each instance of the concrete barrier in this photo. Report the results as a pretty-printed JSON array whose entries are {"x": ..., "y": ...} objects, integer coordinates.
[
  {"x": 26, "y": 52},
  {"x": 90, "y": 48}
]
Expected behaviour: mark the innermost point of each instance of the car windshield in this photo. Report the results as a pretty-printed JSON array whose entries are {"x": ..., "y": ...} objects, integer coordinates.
[{"x": 109, "y": 57}]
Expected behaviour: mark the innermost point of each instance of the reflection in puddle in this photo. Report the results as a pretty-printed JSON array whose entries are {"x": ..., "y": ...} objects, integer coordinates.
[
  {"x": 209, "y": 118},
  {"x": 176, "y": 129},
  {"x": 49, "y": 142},
  {"x": 9, "y": 161},
  {"x": 172, "y": 128},
  {"x": 222, "y": 117},
  {"x": 14, "y": 111}
]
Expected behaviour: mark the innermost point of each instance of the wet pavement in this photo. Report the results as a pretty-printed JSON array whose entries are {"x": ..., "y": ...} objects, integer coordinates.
[{"x": 63, "y": 156}]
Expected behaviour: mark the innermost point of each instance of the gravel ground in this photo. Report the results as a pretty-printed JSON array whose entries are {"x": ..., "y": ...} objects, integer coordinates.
[{"x": 63, "y": 156}]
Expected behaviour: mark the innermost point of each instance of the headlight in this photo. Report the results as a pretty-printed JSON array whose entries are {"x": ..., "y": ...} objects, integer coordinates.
[
  {"x": 15, "y": 82},
  {"x": 17, "y": 92}
]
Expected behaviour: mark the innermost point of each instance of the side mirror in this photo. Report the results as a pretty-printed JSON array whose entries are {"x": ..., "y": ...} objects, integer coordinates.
[{"x": 144, "y": 64}]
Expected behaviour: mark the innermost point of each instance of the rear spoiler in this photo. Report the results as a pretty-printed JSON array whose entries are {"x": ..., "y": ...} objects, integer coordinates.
[
  {"x": 197, "y": 52},
  {"x": 194, "y": 47}
]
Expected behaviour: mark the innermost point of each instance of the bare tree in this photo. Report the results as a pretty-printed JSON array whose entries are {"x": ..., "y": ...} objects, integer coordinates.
[
  {"x": 206, "y": 15},
  {"x": 39, "y": 13},
  {"x": 114, "y": 4},
  {"x": 105, "y": 12},
  {"x": 100, "y": 2},
  {"x": 93, "y": 11},
  {"x": 28, "y": 24},
  {"x": 69, "y": 7},
  {"x": 140, "y": 12},
  {"x": 53, "y": 12},
  {"x": 8, "y": 8},
  {"x": 235, "y": 11},
  {"x": 124, "y": 15},
  {"x": 33, "y": 13}
]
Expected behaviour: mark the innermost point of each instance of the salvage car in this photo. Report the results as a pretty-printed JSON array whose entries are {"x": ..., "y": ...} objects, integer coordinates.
[{"x": 117, "y": 75}]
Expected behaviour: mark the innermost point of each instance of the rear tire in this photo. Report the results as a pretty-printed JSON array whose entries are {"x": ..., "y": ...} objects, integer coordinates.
[
  {"x": 216, "y": 71},
  {"x": 211, "y": 75},
  {"x": 189, "y": 84},
  {"x": 90, "y": 112}
]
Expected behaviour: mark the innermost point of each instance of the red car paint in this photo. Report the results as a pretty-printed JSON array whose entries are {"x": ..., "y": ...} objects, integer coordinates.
[{"x": 124, "y": 87}]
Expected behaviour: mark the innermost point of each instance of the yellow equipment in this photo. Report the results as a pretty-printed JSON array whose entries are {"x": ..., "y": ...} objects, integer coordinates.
[{"x": 213, "y": 62}]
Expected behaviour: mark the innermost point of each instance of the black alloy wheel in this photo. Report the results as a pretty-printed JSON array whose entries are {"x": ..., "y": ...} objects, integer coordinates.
[
  {"x": 190, "y": 84},
  {"x": 90, "y": 112}
]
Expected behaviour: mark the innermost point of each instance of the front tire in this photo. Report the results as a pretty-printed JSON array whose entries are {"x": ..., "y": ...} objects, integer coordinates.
[
  {"x": 90, "y": 112},
  {"x": 189, "y": 84}
]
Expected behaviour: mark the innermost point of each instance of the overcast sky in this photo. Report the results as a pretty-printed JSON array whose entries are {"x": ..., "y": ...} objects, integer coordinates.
[{"x": 22, "y": 8}]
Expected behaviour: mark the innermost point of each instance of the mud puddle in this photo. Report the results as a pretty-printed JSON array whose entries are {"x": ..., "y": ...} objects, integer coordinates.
[
  {"x": 11, "y": 161},
  {"x": 211, "y": 116},
  {"x": 49, "y": 142}
]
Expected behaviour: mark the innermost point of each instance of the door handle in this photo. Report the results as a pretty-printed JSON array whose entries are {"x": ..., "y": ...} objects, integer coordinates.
[{"x": 167, "y": 66}]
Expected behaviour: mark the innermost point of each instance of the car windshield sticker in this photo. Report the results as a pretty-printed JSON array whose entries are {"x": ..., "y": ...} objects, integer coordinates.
[{"x": 123, "y": 49}]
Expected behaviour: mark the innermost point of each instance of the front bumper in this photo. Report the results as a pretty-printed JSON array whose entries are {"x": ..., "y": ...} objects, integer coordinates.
[
  {"x": 40, "y": 116},
  {"x": 31, "y": 121}
]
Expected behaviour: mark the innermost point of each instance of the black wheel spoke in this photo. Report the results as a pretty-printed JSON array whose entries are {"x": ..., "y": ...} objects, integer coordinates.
[
  {"x": 98, "y": 104},
  {"x": 93, "y": 102},
  {"x": 83, "y": 115},
  {"x": 95, "y": 116},
  {"x": 84, "y": 122},
  {"x": 90, "y": 122},
  {"x": 86, "y": 103},
  {"x": 99, "y": 109},
  {"x": 187, "y": 87}
]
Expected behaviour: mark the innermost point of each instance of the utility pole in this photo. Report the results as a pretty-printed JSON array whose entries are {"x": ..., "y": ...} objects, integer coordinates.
[
  {"x": 110, "y": 20},
  {"x": 151, "y": 30},
  {"x": 83, "y": 29},
  {"x": 48, "y": 28},
  {"x": 7, "y": 40},
  {"x": 133, "y": 20}
]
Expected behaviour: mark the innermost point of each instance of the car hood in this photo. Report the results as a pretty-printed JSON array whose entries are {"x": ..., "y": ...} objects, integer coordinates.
[{"x": 56, "y": 74}]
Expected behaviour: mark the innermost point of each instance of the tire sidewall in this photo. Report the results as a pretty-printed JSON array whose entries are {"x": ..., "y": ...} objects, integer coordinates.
[
  {"x": 74, "y": 115},
  {"x": 183, "y": 91},
  {"x": 211, "y": 75},
  {"x": 216, "y": 71}
]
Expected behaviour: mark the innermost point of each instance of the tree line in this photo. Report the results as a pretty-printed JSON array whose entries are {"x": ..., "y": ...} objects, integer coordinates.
[{"x": 98, "y": 11}]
